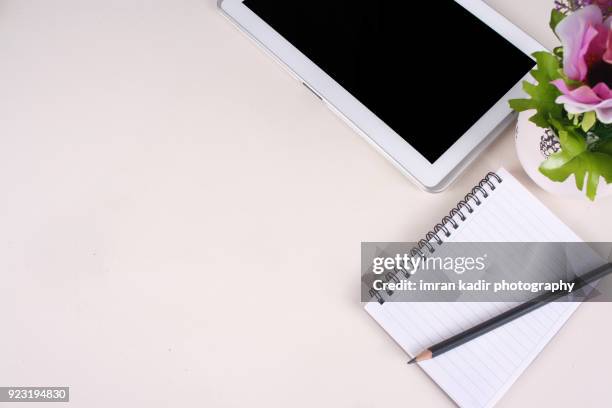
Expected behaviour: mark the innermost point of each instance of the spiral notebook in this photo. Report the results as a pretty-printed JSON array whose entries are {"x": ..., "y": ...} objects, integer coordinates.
[{"x": 477, "y": 374}]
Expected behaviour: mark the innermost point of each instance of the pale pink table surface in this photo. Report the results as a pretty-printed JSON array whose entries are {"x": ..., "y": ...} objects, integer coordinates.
[{"x": 180, "y": 222}]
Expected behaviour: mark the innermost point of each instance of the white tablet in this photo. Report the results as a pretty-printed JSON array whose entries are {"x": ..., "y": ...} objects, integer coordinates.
[{"x": 427, "y": 83}]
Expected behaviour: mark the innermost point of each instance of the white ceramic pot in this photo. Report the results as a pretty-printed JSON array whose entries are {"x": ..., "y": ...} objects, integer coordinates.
[{"x": 533, "y": 145}]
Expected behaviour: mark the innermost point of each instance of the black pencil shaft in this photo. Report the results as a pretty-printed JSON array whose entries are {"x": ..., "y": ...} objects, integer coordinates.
[{"x": 516, "y": 312}]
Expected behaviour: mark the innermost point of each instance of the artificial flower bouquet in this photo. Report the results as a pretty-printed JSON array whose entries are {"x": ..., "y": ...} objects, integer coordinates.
[{"x": 572, "y": 93}]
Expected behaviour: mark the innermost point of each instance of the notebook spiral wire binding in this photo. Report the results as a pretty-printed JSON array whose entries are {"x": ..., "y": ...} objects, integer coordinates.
[{"x": 426, "y": 245}]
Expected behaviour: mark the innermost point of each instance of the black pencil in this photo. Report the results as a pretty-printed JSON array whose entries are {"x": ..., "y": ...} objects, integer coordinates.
[{"x": 508, "y": 316}]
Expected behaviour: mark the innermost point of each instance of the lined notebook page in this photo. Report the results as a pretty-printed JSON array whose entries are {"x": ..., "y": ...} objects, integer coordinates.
[{"x": 478, "y": 373}]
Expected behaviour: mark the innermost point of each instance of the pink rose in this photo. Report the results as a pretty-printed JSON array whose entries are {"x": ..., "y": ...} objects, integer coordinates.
[{"x": 587, "y": 58}]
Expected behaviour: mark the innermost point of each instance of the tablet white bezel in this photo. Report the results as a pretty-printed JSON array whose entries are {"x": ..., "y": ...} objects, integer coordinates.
[{"x": 366, "y": 122}]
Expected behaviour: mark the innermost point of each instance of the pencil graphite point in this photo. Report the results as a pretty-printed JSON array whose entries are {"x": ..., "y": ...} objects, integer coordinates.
[{"x": 412, "y": 361}]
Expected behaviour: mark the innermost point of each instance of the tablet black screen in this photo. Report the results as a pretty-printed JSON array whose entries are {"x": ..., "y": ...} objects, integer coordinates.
[{"x": 428, "y": 69}]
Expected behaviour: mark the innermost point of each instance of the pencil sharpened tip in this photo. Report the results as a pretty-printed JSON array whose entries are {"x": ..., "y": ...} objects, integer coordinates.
[{"x": 414, "y": 360}]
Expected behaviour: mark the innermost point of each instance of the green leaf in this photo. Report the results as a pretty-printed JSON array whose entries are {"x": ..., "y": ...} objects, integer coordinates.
[
  {"x": 571, "y": 142},
  {"x": 555, "y": 18},
  {"x": 543, "y": 94},
  {"x": 521, "y": 105},
  {"x": 548, "y": 67},
  {"x": 604, "y": 147},
  {"x": 603, "y": 162},
  {"x": 588, "y": 121},
  {"x": 602, "y": 130},
  {"x": 559, "y": 166},
  {"x": 590, "y": 165}
]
